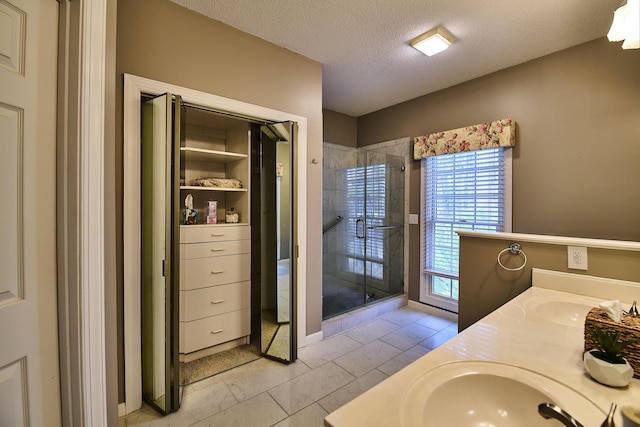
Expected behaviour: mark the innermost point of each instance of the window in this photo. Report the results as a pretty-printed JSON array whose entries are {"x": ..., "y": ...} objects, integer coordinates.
[{"x": 464, "y": 191}]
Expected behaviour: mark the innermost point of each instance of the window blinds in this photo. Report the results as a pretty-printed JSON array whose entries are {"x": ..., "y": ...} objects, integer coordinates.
[{"x": 463, "y": 191}]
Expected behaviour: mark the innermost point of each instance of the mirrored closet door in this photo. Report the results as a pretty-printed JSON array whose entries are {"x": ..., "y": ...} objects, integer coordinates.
[{"x": 276, "y": 236}]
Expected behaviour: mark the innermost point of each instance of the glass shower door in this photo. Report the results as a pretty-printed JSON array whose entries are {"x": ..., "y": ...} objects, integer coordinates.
[
  {"x": 368, "y": 262},
  {"x": 384, "y": 221}
]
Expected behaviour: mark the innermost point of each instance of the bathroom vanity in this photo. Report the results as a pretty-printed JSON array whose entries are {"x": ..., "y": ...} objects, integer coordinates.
[{"x": 531, "y": 348}]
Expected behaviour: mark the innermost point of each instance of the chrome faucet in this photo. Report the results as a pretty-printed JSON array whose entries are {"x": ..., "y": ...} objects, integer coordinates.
[{"x": 549, "y": 410}]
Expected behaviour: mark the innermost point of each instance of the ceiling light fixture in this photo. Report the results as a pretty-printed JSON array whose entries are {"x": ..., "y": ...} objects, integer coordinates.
[
  {"x": 433, "y": 41},
  {"x": 626, "y": 25}
]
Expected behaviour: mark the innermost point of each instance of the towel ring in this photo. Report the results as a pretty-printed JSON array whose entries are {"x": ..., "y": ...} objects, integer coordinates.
[{"x": 516, "y": 249}]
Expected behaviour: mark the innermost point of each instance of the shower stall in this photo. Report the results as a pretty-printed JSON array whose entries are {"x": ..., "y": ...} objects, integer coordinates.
[{"x": 363, "y": 228}]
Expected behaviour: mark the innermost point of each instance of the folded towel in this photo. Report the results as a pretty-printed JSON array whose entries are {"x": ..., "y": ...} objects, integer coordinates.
[
  {"x": 613, "y": 309},
  {"x": 217, "y": 182}
]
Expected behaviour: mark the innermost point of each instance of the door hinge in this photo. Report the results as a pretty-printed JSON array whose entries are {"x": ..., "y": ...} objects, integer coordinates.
[
  {"x": 165, "y": 268},
  {"x": 297, "y": 251}
]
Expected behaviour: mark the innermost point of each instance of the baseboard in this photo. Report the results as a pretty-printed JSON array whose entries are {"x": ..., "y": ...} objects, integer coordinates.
[
  {"x": 429, "y": 309},
  {"x": 313, "y": 338}
]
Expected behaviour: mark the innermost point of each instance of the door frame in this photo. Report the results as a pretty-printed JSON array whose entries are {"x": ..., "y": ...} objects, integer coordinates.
[
  {"x": 86, "y": 55},
  {"x": 134, "y": 87}
]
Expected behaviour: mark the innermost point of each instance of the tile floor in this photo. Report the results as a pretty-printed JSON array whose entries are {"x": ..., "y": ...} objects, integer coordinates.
[{"x": 326, "y": 375}]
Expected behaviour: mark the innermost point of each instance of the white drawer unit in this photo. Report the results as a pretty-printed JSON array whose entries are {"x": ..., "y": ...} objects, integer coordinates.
[
  {"x": 213, "y": 233},
  {"x": 203, "y": 272},
  {"x": 215, "y": 330},
  {"x": 215, "y": 285},
  {"x": 206, "y": 302}
]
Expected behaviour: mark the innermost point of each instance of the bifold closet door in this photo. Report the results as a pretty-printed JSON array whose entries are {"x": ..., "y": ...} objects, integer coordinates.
[
  {"x": 278, "y": 241},
  {"x": 159, "y": 218}
]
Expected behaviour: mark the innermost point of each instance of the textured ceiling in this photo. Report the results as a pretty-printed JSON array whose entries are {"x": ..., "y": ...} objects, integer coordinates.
[{"x": 367, "y": 63}]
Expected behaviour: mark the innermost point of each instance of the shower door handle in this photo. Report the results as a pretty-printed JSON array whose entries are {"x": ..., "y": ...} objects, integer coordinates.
[
  {"x": 384, "y": 227},
  {"x": 364, "y": 228}
]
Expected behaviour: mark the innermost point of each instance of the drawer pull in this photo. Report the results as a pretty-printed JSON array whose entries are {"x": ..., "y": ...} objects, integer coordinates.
[
  {"x": 217, "y": 234},
  {"x": 217, "y": 271},
  {"x": 217, "y": 331},
  {"x": 217, "y": 249},
  {"x": 218, "y": 301}
]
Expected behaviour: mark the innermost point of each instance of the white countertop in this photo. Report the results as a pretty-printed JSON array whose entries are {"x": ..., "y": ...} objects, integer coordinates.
[{"x": 513, "y": 334}]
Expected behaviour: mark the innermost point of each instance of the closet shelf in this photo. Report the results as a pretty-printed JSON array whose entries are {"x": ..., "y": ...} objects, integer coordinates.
[
  {"x": 199, "y": 188},
  {"x": 203, "y": 155}
]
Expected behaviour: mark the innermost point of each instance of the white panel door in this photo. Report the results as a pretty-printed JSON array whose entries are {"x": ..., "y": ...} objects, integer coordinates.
[{"x": 29, "y": 372}]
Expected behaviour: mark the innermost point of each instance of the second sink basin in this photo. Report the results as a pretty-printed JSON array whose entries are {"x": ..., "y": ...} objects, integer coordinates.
[
  {"x": 478, "y": 393},
  {"x": 563, "y": 312}
]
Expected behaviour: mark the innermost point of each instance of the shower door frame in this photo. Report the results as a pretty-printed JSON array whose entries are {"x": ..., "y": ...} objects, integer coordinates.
[{"x": 384, "y": 148}]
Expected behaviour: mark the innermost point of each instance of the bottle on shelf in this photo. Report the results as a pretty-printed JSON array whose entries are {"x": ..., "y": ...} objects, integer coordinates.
[{"x": 211, "y": 211}]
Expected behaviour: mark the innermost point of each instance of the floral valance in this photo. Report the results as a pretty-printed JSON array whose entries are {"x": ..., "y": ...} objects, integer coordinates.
[{"x": 501, "y": 133}]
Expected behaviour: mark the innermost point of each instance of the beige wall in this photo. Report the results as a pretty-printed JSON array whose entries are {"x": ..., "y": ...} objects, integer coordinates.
[
  {"x": 576, "y": 168},
  {"x": 484, "y": 286},
  {"x": 162, "y": 41},
  {"x": 339, "y": 128}
]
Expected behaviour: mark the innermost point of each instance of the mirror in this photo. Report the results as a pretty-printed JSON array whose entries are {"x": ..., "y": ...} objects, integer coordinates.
[{"x": 277, "y": 262}]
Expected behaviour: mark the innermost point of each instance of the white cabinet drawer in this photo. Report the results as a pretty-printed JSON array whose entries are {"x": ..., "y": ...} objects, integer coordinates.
[
  {"x": 202, "y": 250},
  {"x": 202, "y": 272},
  {"x": 206, "y": 302},
  {"x": 213, "y": 233},
  {"x": 215, "y": 330}
]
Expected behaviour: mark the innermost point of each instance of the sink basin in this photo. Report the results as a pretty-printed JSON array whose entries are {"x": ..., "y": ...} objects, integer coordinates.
[
  {"x": 488, "y": 394},
  {"x": 562, "y": 312}
]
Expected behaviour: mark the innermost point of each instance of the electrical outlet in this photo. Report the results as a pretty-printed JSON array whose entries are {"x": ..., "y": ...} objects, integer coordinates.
[
  {"x": 413, "y": 218},
  {"x": 577, "y": 257}
]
